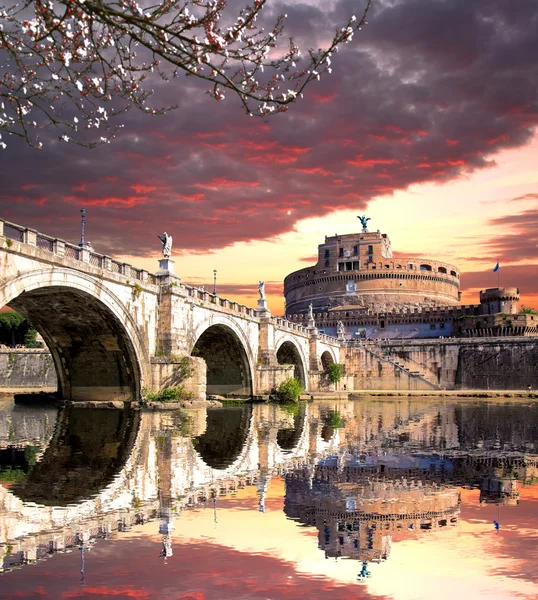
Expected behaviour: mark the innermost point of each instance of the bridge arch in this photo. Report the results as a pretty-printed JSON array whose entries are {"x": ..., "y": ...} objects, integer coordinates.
[
  {"x": 96, "y": 346},
  {"x": 327, "y": 358},
  {"x": 288, "y": 352},
  {"x": 229, "y": 358}
]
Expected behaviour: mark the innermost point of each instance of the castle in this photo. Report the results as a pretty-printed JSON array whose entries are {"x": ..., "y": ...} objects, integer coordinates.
[{"x": 358, "y": 289}]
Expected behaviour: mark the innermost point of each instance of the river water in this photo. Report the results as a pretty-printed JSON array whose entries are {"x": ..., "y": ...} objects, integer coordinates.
[{"x": 407, "y": 498}]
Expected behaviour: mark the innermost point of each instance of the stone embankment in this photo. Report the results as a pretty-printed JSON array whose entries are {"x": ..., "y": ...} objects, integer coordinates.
[{"x": 26, "y": 369}]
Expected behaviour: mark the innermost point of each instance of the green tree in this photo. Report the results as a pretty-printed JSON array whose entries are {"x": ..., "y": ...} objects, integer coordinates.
[
  {"x": 13, "y": 328},
  {"x": 335, "y": 372},
  {"x": 16, "y": 330},
  {"x": 289, "y": 390}
]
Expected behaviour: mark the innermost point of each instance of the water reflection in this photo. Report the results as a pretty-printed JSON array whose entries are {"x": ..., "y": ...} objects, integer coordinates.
[
  {"x": 357, "y": 474},
  {"x": 83, "y": 456},
  {"x": 357, "y": 503}
]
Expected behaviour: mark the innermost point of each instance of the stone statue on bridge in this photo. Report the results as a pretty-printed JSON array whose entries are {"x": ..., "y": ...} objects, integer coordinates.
[
  {"x": 167, "y": 244},
  {"x": 261, "y": 290},
  {"x": 262, "y": 300},
  {"x": 310, "y": 312},
  {"x": 340, "y": 329}
]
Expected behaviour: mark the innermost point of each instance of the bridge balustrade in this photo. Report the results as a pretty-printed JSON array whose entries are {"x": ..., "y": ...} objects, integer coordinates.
[
  {"x": 96, "y": 260},
  {"x": 13, "y": 232},
  {"x": 137, "y": 273},
  {"x": 116, "y": 267},
  {"x": 45, "y": 242},
  {"x": 72, "y": 252}
]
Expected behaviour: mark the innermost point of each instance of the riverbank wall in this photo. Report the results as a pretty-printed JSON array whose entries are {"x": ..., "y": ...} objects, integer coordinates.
[
  {"x": 406, "y": 365},
  {"x": 452, "y": 364},
  {"x": 26, "y": 369}
]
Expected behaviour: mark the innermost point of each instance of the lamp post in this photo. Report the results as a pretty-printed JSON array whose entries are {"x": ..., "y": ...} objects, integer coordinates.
[
  {"x": 215, "y": 282},
  {"x": 82, "y": 223}
]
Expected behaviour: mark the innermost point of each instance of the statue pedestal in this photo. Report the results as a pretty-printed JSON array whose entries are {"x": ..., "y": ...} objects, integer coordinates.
[
  {"x": 261, "y": 309},
  {"x": 166, "y": 266}
]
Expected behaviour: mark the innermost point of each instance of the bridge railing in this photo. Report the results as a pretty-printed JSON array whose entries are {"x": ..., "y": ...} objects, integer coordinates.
[
  {"x": 205, "y": 296},
  {"x": 13, "y": 232},
  {"x": 64, "y": 249}
]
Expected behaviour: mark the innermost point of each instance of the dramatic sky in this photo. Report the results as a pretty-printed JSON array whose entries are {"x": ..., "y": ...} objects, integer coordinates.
[{"x": 427, "y": 125}]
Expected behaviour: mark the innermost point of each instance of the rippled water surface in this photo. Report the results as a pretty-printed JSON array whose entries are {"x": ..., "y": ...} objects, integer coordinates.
[{"x": 393, "y": 498}]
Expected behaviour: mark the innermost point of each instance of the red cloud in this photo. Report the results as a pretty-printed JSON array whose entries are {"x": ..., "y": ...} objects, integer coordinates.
[
  {"x": 143, "y": 189},
  {"x": 323, "y": 98},
  {"x": 359, "y": 161},
  {"x": 108, "y": 201},
  {"x": 313, "y": 171},
  {"x": 222, "y": 182}
]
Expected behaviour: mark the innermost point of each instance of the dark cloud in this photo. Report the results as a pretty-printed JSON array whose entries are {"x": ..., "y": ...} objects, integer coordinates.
[{"x": 429, "y": 91}]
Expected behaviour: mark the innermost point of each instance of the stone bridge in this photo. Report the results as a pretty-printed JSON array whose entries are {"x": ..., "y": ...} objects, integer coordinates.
[{"x": 113, "y": 329}]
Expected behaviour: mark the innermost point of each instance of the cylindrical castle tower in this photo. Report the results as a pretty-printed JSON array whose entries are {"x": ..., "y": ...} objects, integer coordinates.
[
  {"x": 499, "y": 300},
  {"x": 358, "y": 271}
]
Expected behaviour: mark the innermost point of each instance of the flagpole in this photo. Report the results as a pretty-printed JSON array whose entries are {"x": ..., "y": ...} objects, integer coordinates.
[{"x": 499, "y": 274}]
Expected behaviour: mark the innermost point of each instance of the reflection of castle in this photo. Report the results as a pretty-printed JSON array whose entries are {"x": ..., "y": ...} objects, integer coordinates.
[
  {"x": 357, "y": 509},
  {"x": 357, "y": 281}
]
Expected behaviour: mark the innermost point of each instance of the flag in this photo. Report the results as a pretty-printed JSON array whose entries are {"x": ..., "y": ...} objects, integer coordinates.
[{"x": 497, "y": 267}]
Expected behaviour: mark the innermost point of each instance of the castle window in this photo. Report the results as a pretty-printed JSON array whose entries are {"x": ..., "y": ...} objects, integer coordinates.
[
  {"x": 411, "y": 266},
  {"x": 327, "y": 263},
  {"x": 341, "y": 252},
  {"x": 355, "y": 250},
  {"x": 349, "y": 266},
  {"x": 370, "y": 249},
  {"x": 441, "y": 270},
  {"x": 326, "y": 252}
]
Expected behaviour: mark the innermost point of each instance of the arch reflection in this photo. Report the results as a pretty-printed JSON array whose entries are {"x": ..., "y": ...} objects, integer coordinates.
[
  {"x": 225, "y": 435},
  {"x": 88, "y": 449}
]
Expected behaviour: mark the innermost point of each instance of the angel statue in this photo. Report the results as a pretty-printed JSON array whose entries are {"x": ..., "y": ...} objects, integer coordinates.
[
  {"x": 261, "y": 290},
  {"x": 310, "y": 312},
  {"x": 364, "y": 222},
  {"x": 167, "y": 244},
  {"x": 340, "y": 329}
]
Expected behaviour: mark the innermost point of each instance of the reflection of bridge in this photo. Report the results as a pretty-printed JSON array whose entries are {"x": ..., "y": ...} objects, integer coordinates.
[
  {"x": 112, "y": 328},
  {"x": 153, "y": 465},
  {"x": 147, "y": 466}
]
